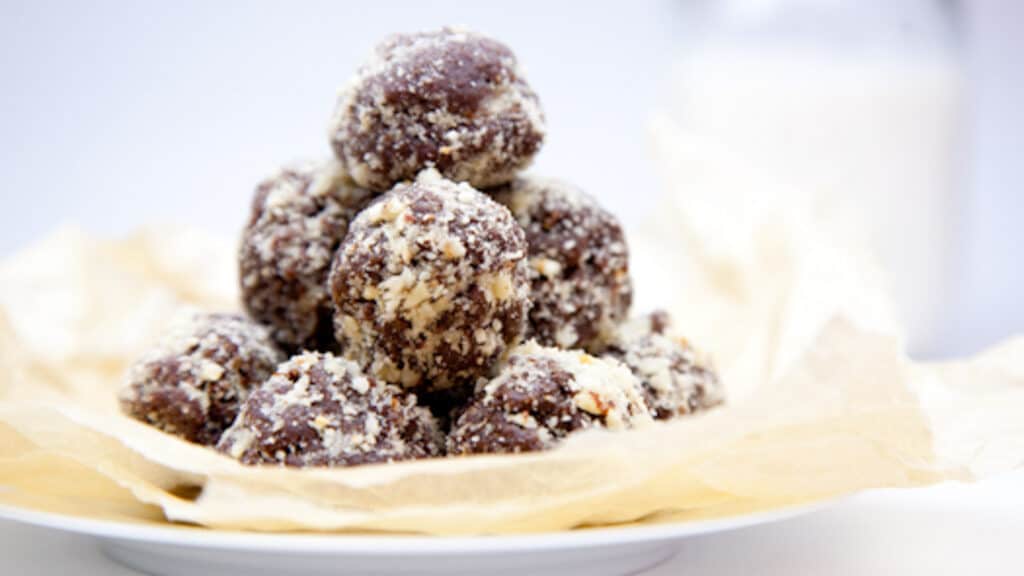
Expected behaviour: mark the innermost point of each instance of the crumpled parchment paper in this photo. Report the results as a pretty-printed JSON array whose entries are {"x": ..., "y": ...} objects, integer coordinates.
[{"x": 822, "y": 402}]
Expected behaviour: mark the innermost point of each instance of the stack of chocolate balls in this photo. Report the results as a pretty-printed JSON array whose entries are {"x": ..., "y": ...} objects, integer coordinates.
[{"x": 416, "y": 295}]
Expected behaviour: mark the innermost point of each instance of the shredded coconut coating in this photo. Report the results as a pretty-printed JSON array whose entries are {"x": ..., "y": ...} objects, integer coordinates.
[
  {"x": 194, "y": 383},
  {"x": 322, "y": 410},
  {"x": 544, "y": 394},
  {"x": 656, "y": 322},
  {"x": 451, "y": 99},
  {"x": 579, "y": 263},
  {"x": 299, "y": 217},
  {"x": 676, "y": 378},
  {"x": 430, "y": 285}
]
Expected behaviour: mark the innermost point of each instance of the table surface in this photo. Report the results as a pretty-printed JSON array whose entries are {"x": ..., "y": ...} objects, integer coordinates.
[{"x": 950, "y": 529}]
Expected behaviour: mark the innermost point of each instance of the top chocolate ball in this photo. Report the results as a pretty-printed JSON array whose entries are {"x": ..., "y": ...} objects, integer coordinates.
[{"x": 450, "y": 99}]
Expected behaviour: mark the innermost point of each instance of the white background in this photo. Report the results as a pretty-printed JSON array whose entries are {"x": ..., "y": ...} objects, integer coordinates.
[{"x": 117, "y": 114}]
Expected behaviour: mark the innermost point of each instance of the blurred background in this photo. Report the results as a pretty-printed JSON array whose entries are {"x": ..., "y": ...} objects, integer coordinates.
[{"x": 904, "y": 117}]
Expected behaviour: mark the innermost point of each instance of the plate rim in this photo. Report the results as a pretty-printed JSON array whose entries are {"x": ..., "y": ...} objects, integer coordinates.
[{"x": 395, "y": 544}]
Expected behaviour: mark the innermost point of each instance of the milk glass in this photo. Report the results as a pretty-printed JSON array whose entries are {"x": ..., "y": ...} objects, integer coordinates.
[{"x": 854, "y": 107}]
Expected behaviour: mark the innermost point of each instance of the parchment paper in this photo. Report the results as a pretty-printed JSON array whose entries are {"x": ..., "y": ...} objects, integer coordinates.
[{"x": 822, "y": 402}]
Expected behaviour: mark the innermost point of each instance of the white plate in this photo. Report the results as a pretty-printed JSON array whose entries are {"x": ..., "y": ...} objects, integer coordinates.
[{"x": 169, "y": 551}]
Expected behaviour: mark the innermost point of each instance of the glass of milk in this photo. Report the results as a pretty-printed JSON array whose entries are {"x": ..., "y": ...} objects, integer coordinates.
[{"x": 854, "y": 108}]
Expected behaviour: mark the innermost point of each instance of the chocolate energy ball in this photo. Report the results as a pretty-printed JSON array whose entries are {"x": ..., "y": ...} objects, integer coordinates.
[
  {"x": 451, "y": 99},
  {"x": 676, "y": 378},
  {"x": 579, "y": 263},
  {"x": 544, "y": 394},
  {"x": 194, "y": 383},
  {"x": 430, "y": 285},
  {"x": 299, "y": 217},
  {"x": 321, "y": 410}
]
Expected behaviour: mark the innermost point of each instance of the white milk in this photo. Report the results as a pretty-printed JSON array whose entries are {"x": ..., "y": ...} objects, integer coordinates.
[{"x": 866, "y": 141}]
